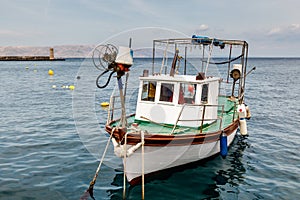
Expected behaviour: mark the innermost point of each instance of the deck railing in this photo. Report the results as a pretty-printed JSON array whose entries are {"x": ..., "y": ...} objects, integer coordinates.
[
  {"x": 112, "y": 108},
  {"x": 220, "y": 110},
  {"x": 202, "y": 119}
]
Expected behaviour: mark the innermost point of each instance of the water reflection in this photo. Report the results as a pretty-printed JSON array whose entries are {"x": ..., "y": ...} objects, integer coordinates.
[
  {"x": 234, "y": 174},
  {"x": 211, "y": 178}
]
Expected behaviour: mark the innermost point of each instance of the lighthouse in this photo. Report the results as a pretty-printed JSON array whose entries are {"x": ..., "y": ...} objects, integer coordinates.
[{"x": 51, "y": 57}]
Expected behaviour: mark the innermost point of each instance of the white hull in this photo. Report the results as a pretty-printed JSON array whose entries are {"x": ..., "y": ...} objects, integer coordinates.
[{"x": 161, "y": 158}]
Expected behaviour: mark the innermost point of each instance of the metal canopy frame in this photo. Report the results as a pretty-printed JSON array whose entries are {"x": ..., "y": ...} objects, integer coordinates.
[{"x": 205, "y": 41}]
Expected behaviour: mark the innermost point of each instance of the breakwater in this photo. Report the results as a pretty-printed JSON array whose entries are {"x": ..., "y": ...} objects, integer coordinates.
[{"x": 29, "y": 58}]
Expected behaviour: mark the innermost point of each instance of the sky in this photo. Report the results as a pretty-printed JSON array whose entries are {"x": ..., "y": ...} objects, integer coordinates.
[{"x": 271, "y": 27}]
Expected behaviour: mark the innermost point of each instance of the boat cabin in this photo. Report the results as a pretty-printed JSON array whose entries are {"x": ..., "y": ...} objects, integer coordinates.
[{"x": 180, "y": 99}]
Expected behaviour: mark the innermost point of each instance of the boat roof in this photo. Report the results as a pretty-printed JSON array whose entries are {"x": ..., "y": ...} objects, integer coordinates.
[{"x": 201, "y": 40}]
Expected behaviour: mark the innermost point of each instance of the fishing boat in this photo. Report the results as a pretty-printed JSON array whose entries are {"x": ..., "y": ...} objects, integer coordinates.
[{"x": 182, "y": 115}]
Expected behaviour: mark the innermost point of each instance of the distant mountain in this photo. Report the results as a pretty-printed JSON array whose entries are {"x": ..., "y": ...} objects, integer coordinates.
[{"x": 64, "y": 51}]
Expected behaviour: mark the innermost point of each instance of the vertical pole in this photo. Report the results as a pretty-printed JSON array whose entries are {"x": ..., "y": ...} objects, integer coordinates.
[
  {"x": 109, "y": 112},
  {"x": 241, "y": 80},
  {"x": 245, "y": 69},
  {"x": 185, "y": 51},
  {"x": 113, "y": 108},
  {"x": 127, "y": 74},
  {"x": 124, "y": 160},
  {"x": 126, "y": 83},
  {"x": 174, "y": 62},
  {"x": 233, "y": 86},
  {"x": 228, "y": 71},
  {"x": 143, "y": 164},
  {"x": 203, "y": 115},
  {"x": 234, "y": 111},
  {"x": 153, "y": 57},
  {"x": 203, "y": 48},
  {"x": 129, "y": 43},
  {"x": 180, "y": 113},
  {"x": 123, "y": 120},
  {"x": 209, "y": 56},
  {"x": 221, "y": 120}
]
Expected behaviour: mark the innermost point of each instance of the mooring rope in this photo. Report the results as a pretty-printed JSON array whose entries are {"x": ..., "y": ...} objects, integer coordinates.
[{"x": 92, "y": 183}]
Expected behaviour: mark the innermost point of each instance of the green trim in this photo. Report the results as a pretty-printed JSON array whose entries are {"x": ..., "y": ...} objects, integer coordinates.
[{"x": 168, "y": 125}]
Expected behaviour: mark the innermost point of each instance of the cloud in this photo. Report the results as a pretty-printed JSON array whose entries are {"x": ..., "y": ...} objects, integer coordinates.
[
  {"x": 17, "y": 37},
  {"x": 294, "y": 27},
  {"x": 286, "y": 32},
  {"x": 274, "y": 31},
  {"x": 203, "y": 27},
  {"x": 143, "y": 7},
  {"x": 6, "y": 32}
]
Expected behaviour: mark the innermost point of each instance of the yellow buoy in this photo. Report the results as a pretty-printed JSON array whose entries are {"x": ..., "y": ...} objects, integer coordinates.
[
  {"x": 104, "y": 104},
  {"x": 71, "y": 87},
  {"x": 51, "y": 72}
]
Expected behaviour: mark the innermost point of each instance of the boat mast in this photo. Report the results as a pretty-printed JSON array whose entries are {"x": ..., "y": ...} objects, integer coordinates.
[{"x": 123, "y": 119}]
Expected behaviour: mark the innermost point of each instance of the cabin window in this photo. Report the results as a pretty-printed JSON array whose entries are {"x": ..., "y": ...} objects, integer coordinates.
[
  {"x": 148, "y": 92},
  {"x": 187, "y": 93},
  {"x": 166, "y": 92},
  {"x": 204, "y": 93}
]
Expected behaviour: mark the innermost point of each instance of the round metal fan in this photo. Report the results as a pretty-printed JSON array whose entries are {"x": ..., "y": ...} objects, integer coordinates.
[{"x": 104, "y": 56}]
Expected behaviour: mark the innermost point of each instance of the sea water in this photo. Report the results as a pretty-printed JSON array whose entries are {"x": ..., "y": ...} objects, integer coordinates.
[{"x": 47, "y": 152}]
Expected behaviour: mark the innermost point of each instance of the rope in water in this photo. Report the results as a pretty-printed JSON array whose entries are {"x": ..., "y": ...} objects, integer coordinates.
[{"x": 92, "y": 183}]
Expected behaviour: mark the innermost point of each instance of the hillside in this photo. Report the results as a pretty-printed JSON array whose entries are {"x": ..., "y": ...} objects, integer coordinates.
[{"x": 63, "y": 51}]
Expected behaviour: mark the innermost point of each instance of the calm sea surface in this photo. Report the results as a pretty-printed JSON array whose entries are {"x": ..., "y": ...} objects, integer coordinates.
[{"x": 49, "y": 146}]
